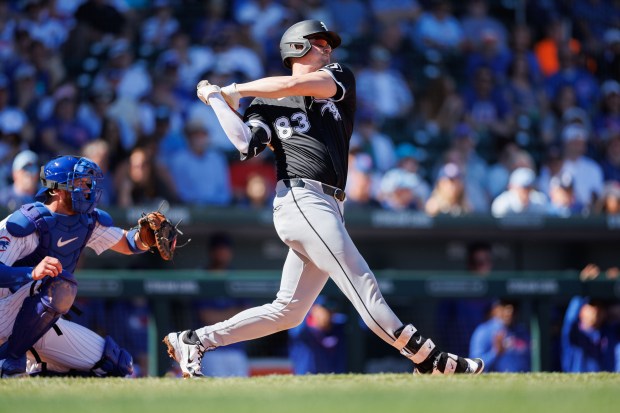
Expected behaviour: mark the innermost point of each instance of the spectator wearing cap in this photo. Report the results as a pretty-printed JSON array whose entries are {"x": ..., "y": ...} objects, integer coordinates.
[
  {"x": 25, "y": 172},
  {"x": 588, "y": 174},
  {"x": 448, "y": 195},
  {"x": 401, "y": 189},
  {"x": 201, "y": 173},
  {"x": 520, "y": 197},
  {"x": 510, "y": 158},
  {"x": 562, "y": 202}
]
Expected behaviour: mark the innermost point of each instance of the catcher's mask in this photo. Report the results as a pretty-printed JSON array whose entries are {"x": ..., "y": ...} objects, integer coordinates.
[
  {"x": 81, "y": 177},
  {"x": 295, "y": 43}
]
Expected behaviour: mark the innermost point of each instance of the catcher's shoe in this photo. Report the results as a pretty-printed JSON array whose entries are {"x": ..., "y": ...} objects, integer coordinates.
[
  {"x": 185, "y": 347},
  {"x": 13, "y": 367}
]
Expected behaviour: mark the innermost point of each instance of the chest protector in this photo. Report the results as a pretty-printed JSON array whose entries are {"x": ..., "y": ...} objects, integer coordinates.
[{"x": 60, "y": 236}]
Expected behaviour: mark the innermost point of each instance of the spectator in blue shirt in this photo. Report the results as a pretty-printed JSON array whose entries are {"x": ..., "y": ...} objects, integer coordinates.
[
  {"x": 318, "y": 344},
  {"x": 503, "y": 344},
  {"x": 589, "y": 341}
]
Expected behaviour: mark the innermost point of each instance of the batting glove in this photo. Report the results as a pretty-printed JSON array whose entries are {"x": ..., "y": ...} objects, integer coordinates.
[
  {"x": 204, "y": 89},
  {"x": 231, "y": 95}
]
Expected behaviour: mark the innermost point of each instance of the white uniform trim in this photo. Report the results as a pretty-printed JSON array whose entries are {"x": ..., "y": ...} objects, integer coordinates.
[
  {"x": 260, "y": 124},
  {"x": 404, "y": 337},
  {"x": 344, "y": 89},
  {"x": 450, "y": 365},
  {"x": 422, "y": 353}
]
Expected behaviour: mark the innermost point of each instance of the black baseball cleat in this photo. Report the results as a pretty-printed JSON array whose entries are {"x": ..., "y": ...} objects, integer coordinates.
[
  {"x": 447, "y": 363},
  {"x": 428, "y": 359}
]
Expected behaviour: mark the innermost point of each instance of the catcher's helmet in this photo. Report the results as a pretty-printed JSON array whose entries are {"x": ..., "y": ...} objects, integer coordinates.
[
  {"x": 62, "y": 172},
  {"x": 295, "y": 43}
]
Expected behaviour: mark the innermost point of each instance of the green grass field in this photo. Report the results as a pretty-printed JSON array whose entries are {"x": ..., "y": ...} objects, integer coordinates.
[{"x": 387, "y": 393}]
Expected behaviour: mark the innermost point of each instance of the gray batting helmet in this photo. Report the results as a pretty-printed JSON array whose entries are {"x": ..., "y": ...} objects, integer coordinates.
[{"x": 295, "y": 43}]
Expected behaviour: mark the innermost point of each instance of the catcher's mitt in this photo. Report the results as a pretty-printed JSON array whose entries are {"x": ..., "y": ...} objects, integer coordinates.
[{"x": 157, "y": 232}]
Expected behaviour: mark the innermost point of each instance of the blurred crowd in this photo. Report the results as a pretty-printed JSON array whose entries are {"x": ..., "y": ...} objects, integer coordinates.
[{"x": 463, "y": 107}]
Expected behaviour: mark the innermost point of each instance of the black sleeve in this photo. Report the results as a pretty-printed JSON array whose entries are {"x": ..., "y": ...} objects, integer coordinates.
[
  {"x": 261, "y": 133},
  {"x": 344, "y": 78}
]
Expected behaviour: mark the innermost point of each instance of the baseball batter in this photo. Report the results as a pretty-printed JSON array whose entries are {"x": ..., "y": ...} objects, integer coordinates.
[
  {"x": 40, "y": 245},
  {"x": 307, "y": 120}
]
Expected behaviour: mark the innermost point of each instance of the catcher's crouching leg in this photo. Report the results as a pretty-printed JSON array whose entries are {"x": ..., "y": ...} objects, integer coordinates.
[{"x": 115, "y": 361}]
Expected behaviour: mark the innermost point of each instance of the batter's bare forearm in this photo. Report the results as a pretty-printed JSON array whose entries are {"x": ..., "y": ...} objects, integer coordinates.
[{"x": 317, "y": 84}]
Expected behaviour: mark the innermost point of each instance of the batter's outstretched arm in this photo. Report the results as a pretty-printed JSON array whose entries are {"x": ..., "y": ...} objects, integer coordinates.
[{"x": 317, "y": 84}]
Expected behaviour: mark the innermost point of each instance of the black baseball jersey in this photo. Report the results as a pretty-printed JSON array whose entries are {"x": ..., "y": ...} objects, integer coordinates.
[{"x": 310, "y": 137}]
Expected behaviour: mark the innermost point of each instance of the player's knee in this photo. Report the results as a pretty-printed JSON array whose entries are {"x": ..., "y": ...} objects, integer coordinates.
[
  {"x": 292, "y": 319},
  {"x": 290, "y": 314},
  {"x": 58, "y": 294},
  {"x": 115, "y": 361}
]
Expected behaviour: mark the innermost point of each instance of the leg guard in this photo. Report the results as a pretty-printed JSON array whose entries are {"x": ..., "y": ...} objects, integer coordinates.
[
  {"x": 420, "y": 350},
  {"x": 115, "y": 361},
  {"x": 39, "y": 313}
]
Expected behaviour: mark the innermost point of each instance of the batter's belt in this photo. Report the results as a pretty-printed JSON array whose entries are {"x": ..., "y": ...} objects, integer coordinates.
[{"x": 337, "y": 193}]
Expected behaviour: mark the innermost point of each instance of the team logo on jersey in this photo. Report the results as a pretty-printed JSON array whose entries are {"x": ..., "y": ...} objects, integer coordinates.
[
  {"x": 4, "y": 243},
  {"x": 328, "y": 105},
  {"x": 334, "y": 66}
]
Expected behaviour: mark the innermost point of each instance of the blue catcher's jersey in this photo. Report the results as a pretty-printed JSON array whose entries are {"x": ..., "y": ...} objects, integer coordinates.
[{"x": 60, "y": 236}]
